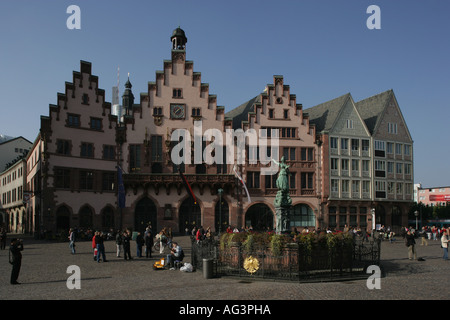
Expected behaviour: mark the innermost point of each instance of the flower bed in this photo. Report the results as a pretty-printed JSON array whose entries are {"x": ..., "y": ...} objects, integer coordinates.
[{"x": 271, "y": 255}]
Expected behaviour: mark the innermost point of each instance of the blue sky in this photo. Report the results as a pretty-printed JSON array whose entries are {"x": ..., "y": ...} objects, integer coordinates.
[{"x": 322, "y": 48}]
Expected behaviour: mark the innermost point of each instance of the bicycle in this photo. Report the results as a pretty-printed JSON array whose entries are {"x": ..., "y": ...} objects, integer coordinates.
[{"x": 157, "y": 245}]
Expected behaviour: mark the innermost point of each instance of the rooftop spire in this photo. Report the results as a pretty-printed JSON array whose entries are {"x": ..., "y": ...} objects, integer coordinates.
[{"x": 178, "y": 39}]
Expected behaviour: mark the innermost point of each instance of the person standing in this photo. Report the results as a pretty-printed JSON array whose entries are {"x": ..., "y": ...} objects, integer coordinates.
[
  {"x": 410, "y": 243},
  {"x": 72, "y": 240},
  {"x": 119, "y": 243},
  {"x": 3, "y": 239},
  {"x": 94, "y": 245},
  {"x": 126, "y": 239},
  {"x": 163, "y": 240},
  {"x": 15, "y": 258},
  {"x": 139, "y": 244},
  {"x": 444, "y": 243},
  {"x": 423, "y": 235},
  {"x": 100, "y": 246},
  {"x": 148, "y": 239}
]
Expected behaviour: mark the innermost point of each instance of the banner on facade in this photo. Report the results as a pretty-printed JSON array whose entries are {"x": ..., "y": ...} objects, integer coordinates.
[
  {"x": 121, "y": 189},
  {"x": 440, "y": 197},
  {"x": 188, "y": 187}
]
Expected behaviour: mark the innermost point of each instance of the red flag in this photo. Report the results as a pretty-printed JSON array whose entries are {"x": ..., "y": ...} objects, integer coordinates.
[{"x": 188, "y": 187}]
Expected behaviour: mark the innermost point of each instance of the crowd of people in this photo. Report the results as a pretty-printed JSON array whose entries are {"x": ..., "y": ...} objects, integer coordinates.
[
  {"x": 145, "y": 244},
  {"x": 164, "y": 239},
  {"x": 426, "y": 233}
]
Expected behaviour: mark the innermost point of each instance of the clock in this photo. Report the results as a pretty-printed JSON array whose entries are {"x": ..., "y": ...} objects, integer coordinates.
[{"x": 177, "y": 111}]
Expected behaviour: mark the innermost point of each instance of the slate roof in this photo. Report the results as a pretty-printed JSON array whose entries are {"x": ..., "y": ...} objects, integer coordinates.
[
  {"x": 372, "y": 108},
  {"x": 240, "y": 113},
  {"x": 324, "y": 115}
]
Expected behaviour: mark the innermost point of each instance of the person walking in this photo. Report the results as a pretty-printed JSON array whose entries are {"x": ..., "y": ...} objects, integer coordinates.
[
  {"x": 444, "y": 243},
  {"x": 15, "y": 258},
  {"x": 410, "y": 243},
  {"x": 119, "y": 243},
  {"x": 72, "y": 240},
  {"x": 100, "y": 247},
  {"x": 163, "y": 240}
]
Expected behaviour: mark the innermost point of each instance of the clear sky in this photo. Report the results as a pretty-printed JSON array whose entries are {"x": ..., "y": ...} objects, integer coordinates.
[{"x": 323, "y": 49}]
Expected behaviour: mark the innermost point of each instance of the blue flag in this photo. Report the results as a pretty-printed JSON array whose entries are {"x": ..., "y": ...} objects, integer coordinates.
[{"x": 121, "y": 189}]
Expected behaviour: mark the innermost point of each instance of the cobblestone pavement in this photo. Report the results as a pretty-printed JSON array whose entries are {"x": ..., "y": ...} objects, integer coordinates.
[{"x": 44, "y": 275}]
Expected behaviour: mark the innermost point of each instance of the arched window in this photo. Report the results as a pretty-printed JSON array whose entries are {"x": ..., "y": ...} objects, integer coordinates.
[
  {"x": 85, "y": 217},
  {"x": 107, "y": 218},
  {"x": 62, "y": 218},
  {"x": 259, "y": 217}
]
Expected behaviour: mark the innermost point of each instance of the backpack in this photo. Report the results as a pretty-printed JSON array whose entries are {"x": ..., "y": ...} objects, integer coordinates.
[{"x": 181, "y": 257}]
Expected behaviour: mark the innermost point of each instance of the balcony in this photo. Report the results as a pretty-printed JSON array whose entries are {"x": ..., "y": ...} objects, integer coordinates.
[{"x": 157, "y": 180}]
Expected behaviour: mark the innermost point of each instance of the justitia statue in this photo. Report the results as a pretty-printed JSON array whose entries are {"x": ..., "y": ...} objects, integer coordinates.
[{"x": 283, "y": 200}]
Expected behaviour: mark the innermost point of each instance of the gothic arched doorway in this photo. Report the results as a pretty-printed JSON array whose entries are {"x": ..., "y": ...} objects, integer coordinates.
[
  {"x": 396, "y": 218},
  {"x": 380, "y": 216},
  {"x": 190, "y": 215},
  {"x": 108, "y": 218},
  {"x": 259, "y": 217},
  {"x": 145, "y": 214},
  {"x": 63, "y": 218},
  {"x": 86, "y": 216}
]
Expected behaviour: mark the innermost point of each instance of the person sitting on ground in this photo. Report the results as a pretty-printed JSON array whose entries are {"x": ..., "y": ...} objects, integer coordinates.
[{"x": 176, "y": 253}]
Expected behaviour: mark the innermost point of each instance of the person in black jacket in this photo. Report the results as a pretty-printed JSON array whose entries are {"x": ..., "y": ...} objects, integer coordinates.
[
  {"x": 15, "y": 258},
  {"x": 411, "y": 243},
  {"x": 126, "y": 245},
  {"x": 139, "y": 244},
  {"x": 148, "y": 238},
  {"x": 100, "y": 246}
]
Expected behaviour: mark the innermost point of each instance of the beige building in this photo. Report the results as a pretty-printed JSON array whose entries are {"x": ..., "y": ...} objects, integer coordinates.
[
  {"x": 72, "y": 168},
  {"x": 13, "y": 149},
  {"x": 12, "y": 210},
  {"x": 367, "y": 162}
]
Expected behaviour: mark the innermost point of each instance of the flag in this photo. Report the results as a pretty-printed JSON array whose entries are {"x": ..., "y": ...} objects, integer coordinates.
[
  {"x": 243, "y": 183},
  {"x": 188, "y": 187},
  {"x": 121, "y": 188}
]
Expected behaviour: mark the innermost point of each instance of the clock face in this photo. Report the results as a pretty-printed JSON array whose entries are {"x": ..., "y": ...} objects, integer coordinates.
[{"x": 177, "y": 111}]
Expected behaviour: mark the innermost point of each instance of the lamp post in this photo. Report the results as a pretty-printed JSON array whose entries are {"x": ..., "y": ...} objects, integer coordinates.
[
  {"x": 416, "y": 213},
  {"x": 220, "y": 192}
]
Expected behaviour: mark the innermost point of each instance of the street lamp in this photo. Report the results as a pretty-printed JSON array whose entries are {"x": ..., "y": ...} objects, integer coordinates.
[
  {"x": 416, "y": 213},
  {"x": 220, "y": 192}
]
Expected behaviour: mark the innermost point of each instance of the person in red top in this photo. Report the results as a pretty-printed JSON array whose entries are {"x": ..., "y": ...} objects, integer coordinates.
[
  {"x": 198, "y": 235},
  {"x": 94, "y": 246}
]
